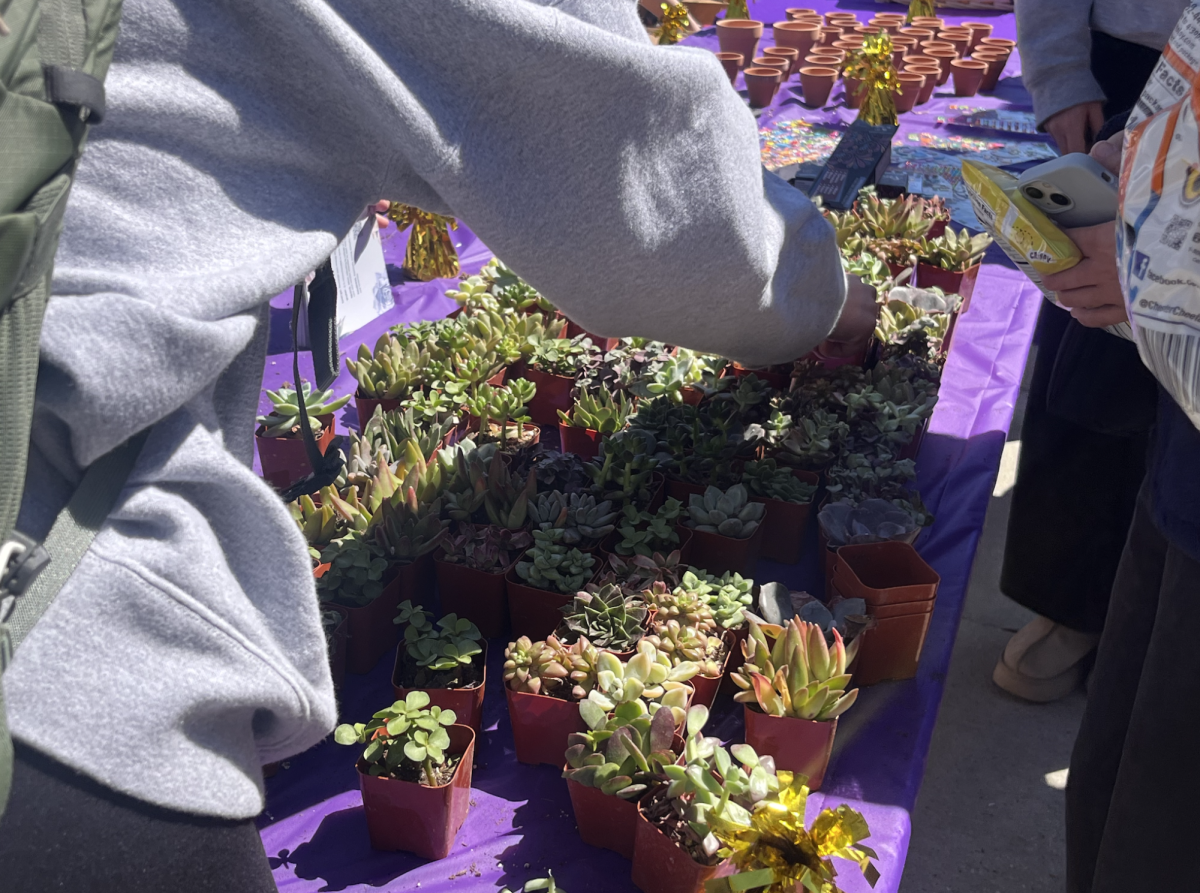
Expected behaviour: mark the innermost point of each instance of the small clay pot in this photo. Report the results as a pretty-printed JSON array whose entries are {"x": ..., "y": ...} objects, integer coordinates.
[
  {"x": 933, "y": 23},
  {"x": 961, "y": 40},
  {"x": 998, "y": 42},
  {"x": 829, "y": 36},
  {"x": 533, "y": 612},
  {"x": 847, "y": 46},
  {"x": 732, "y": 63},
  {"x": 935, "y": 44},
  {"x": 604, "y": 821},
  {"x": 284, "y": 460},
  {"x": 779, "y": 63},
  {"x": 944, "y": 58},
  {"x": 662, "y": 866},
  {"x": 467, "y": 703},
  {"x": 790, "y": 54},
  {"x": 760, "y": 85},
  {"x": 583, "y": 442},
  {"x": 918, "y": 33},
  {"x": 705, "y": 11},
  {"x": 852, "y": 87},
  {"x": 798, "y": 745},
  {"x": 817, "y": 84},
  {"x": 930, "y": 74},
  {"x": 979, "y": 30},
  {"x": 800, "y": 36},
  {"x": 739, "y": 36},
  {"x": 921, "y": 59},
  {"x": 541, "y": 726},
  {"x": 910, "y": 90},
  {"x": 968, "y": 74},
  {"x": 833, "y": 17},
  {"x": 822, "y": 61},
  {"x": 797, "y": 13},
  {"x": 479, "y": 596},
  {"x": 865, "y": 31},
  {"x": 891, "y": 26},
  {"x": 995, "y": 69}
]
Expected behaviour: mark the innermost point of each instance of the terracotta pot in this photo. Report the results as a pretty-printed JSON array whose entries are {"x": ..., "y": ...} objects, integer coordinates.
[
  {"x": 944, "y": 58},
  {"x": 477, "y": 595},
  {"x": 541, "y": 726},
  {"x": 852, "y": 88},
  {"x": 918, "y": 34},
  {"x": 530, "y": 433},
  {"x": 822, "y": 61},
  {"x": 949, "y": 281},
  {"x": 979, "y": 30},
  {"x": 910, "y": 91},
  {"x": 533, "y": 612},
  {"x": 920, "y": 59},
  {"x": 718, "y": 554},
  {"x": 785, "y": 524},
  {"x": 995, "y": 68},
  {"x": 705, "y": 11},
  {"x": 828, "y": 36},
  {"x": 370, "y": 631},
  {"x": 365, "y": 407},
  {"x": 337, "y": 646},
  {"x": 847, "y": 46},
  {"x": 933, "y": 23},
  {"x": 604, "y": 821},
  {"x": 732, "y": 63},
  {"x": 583, "y": 442},
  {"x": 739, "y": 36},
  {"x": 553, "y": 393},
  {"x": 931, "y": 75},
  {"x": 1002, "y": 42},
  {"x": 799, "y": 36},
  {"x": 798, "y": 745},
  {"x": 284, "y": 460},
  {"x": 761, "y": 84},
  {"x": 467, "y": 703},
  {"x": 968, "y": 73},
  {"x": 779, "y": 63},
  {"x": 794, "y": 13},
  {"x": 403, "y": 815},
  {"x": 961, "y": 40},
  {"x": 661, "y": 866},
  {"x": 891, "y": 26},
  {"x": 791, "y": 55}
]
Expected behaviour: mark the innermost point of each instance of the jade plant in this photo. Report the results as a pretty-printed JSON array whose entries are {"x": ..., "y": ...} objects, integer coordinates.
[
  {"x": 795, "y": 674},
  {"x": 687, "y": 643},
  {"x": 438, "y": 656},
  {"x": 485, "y": 547},
  {"x": 956, "y": 252},
  {"x": 552, "y": 565},
  {"x": 579, "y": 516},
  {"x": 599, "y": 412},
  {"x": 608, "y": 618},
  {"x": 765, "y": 478},
  {"x": 505, "y": 406},
  {"x": 645, "y": 533},
  {"x": 620, "y": 755},
  {"x": 407, "y": 741},
  {"x": 729, "y": 513},
  {"x": 551, "y": 667},
  {"x": 391, "y": 371},
  {"x": 284, "y": 418}
]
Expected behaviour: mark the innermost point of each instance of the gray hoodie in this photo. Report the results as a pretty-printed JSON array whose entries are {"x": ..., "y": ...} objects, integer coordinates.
[{"x": 242, "y": 140}]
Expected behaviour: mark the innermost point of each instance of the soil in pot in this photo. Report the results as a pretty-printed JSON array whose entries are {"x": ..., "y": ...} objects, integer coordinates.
[
  {"x": 541, "y": 725},
  {"x": 479, "y": 596},
  {"x": 530, "y": 434},
  {"x": 661, "y": 863},
  {"x": 461, "y": 692},
  {"x": 533, "y": 612},
  {"x": 284, "y": 460},
  {"x": 604, "y": 821},
  {"x": 416, "y": 818},
  {"x": 718, "y": 554},
  {"x": 798, "y": 745},
  {"x": 583, "y": 442},
  {"x": 553, "y": 393}
]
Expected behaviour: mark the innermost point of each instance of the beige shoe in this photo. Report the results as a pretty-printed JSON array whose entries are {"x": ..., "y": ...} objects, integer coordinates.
[{"x": 1043, "y": 661}]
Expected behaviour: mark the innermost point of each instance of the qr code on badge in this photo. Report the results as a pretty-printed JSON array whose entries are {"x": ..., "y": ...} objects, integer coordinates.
[{"x": 1175, "y": 232}]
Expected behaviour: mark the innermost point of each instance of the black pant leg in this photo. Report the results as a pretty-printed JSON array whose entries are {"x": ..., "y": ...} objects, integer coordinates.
[
  {"x": 1121, "y": 69},
  {"x": 1097, "y": 760},
  {"x": 63, "y": 831}
]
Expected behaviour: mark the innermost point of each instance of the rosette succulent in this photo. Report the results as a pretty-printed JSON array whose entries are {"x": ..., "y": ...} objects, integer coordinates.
[
  {"x": 607, "y": 617},
  {"x": 579, "y": 516},
  {"x": 552, "y": 565},
  {"x": 284, "y": 418},
  {"x": 551, "y": 667},
  {"x": 728, "y": 513}
]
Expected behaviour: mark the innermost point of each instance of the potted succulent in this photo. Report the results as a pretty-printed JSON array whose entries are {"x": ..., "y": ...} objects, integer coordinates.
[
  {"x": 415, "y": 775},
  {"x": 502, "y": 414},
  {"x": 552, "y": 368},
  {"x": 542, "y": 583},
  {"x": 592, "y": 417},
  {"x": 646, "y": 533},
  {"x": 608, "y": 618},
  {"x": 407, "y": 532},
  {"x": 794, "y": 689},
  {"x": 812, "y": 443},
  {"x": 951, "y": 262},
  {"x": 710, "y": 653},
  {"x": 584, "y": 522},
  {"x": 354, "y": 573},
  {"x": 726, "y": 529},
  {"x": 543, "y": 685},
  {"x": 778, "y": 377},
  {"x": 787, "y": 494},
  {"x": 281, "y": 448},
  {"x": 448, "y": 662},
  {"x": 386, "y": 375},
  {"x": 470, "y": 573},
  {"x": 625, "y": 469},
  {"x": 639, "y": 572}
]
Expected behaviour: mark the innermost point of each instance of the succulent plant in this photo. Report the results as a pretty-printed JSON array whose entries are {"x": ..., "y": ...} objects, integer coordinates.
[
  {"x": 506, "y": 497},
  {"x": 644, "y": 533},
  {"x": 727, "y": 596},
  {"x": 580, "y": 518},
  {"x": 765, "y": 478},
  {"x": 686, "y": 606},
  {"x": 503, "y": 405},
  {"x": 621, "y": 755},
  {"x": 438, "y": 654},
  {"x": 601, "y": 412},
  {"x": 406, "y": 530},
  {"x": 561, "y": 356},
  {"x": 647, "y": 681},
  {"x": 320, "y": 524},
  {"x": 392, "y": 371},
  {"x": 639, "y": 572},
  {"x": 687, "y": 643},
  {"x": 550, "y": 564},
  {"x": 955, "y": 251},
  {"x": 551, "y": 667},
  {"x": 408, "y": 738},
  {"x": 729, "y": 514},
  {"x": 871, "y": 521},
  {"x": 565, "y": 472},
  {"x": 795, "y": 674},
  {"x": 608, "y": 618},
  {"x": 625, "y": 467},
  {"x": 813, "y": 442},
  {"x": 284, "y": 418},
  {"x": 356, "y": 570},
  {"x": 883, "y": 218},
  {"x": 485, "y": 547}
]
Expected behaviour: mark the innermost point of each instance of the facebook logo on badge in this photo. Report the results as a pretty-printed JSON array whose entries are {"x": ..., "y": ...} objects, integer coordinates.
[{"x": 1141, "y": 265}]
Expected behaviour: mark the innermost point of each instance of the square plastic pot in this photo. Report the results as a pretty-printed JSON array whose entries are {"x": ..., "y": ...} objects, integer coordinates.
[
  {"x": 604, "y": 821},
  {"x": 959, "y": 283},
  {"x": 718, "y": 554},
  {"x": 583, "y": 442},
  {"x": 467, "y": 703},
  {"x": 533, "y": 612},
  {"x": 284, "y": 460},
  {"x": 365, "y": 407},
  {"x": 479, "y": 596},
  {"x": 705, "y": 688},
  {"x": 661, "y": 866},
  {"x": 404, "y": 815},
  {"x": 553, "y": 393},
  {"x": 798, "y": 745},
  {"x": 784, "y": 525},
  {"x": 884, "y": 574},
  {"x": 541, "y": 726},
  {"x": 370, "y": 631}
]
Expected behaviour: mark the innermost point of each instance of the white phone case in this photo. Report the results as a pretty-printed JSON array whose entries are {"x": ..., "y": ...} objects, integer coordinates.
[{"x": 1075, "y": 190}]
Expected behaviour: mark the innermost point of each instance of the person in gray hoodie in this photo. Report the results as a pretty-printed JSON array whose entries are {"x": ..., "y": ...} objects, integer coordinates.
[{"x": 242, "y": 140}]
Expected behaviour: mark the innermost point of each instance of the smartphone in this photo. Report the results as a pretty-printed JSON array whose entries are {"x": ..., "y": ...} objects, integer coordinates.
[{"x": 1075, "y": 190}]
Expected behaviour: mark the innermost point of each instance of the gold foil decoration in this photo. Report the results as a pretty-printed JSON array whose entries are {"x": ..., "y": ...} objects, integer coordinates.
[
  {"x": 918, "y": 8},
  {"x": 874, "y": 67},
  {"x": 777, "y": 852},
  {"x": 737, "y": 9},
  {"x": 430, "y": 253},
  {"x": 675, "y": 24}
]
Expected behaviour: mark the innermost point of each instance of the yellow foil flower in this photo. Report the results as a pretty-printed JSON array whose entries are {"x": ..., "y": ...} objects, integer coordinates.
[
  {"x": 430, "y": 253},
  {"x": 874, "y": 67},
  {"x": 675, "y": 24}
]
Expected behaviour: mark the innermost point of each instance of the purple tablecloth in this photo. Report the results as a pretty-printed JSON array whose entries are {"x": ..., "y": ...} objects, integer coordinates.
[{"x": 520, "y": 823}]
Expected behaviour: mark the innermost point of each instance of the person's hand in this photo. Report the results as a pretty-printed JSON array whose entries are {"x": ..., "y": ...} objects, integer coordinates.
[
  {"x": 1090, "y": 289},
  {"x": 380, "y": 208},
  {"x": 1074, "y": 128},
  {"x": 1108, "y": 152},
  {"x": 856, "y": 325}
]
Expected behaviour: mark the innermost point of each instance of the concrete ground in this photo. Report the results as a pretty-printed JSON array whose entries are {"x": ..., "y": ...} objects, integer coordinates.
[{"x": 989, "y": 818}]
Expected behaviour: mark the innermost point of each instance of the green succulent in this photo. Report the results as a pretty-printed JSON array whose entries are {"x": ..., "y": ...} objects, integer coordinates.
[
  {"x": 766, "y": 479},
  {"x": 956, "y": 252},
  {"x": 726, "y": 596},
  {"x": 621, "y": 755},
  {"x": 406, "y": 530},
  {"x": 550, "y": 564},
  {"x": 561, "y": 356},
  {"x": 644, "y": 533},
  {"x": 814, "y": 441},
  {"x": 608, "y": 618},
  {"x": 284, "y": 419},
  {"x": 687, "y": 643},
  {"x": 551, "y": 667},
  {"x": 624, "y": 470},
  {"x": 506, "y": 406},
  {"x": 728, "y": 513},
  {"x": 685, "y": 606},
  {"x": 409, "y": 734},
  {"x": 356, "y": 571},
  {"x": 580, "y": 517},
  {"x": 447, "y": 648},
  {"x": 392, "y": 371},
  {"x": 601, "y": 412}
]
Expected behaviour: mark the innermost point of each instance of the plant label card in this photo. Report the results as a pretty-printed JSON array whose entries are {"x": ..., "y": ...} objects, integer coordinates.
[
  {"x": 860, "y": 158},
  {"x": 363, "y": 292}
]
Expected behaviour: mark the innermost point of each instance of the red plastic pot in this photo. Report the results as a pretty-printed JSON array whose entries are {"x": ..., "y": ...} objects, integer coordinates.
[
  {"x": 891, "y": 649},
  {"x": 603, "y": 820},
  {"x": 479, "y": 596},
  {"x": 285, "y": 459},
  {"x": 583, "y": 442},
  {"x": 692, "y": 395},
  {"x": 949, "y": 281},
  {"x": 705, "y": 688},
  {"x": 913, "y": 447},
  {"x": 404, "y": 815},
  {"x": 718, "y": 554},
  {"x": 370, "y": 631},
  {"x": 467, "y": 703},
  {"x": 785, "y": 523},
  {"x": 553, "y": 393},
  {"x": 662, "y": 866},
  {"x": 541, "y": 725},
  {"x": 936, "y": 229},
  {"x": 365, "y": 407},
  {"x": 416, "y": 580},
  {"x": 780, "y": 381},
  {"x": 533, "y": 612},
  {"x": 798, "y": 745}
]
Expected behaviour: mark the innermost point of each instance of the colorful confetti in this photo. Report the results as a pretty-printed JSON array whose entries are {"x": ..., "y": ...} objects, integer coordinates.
[{"x": 795, "y": 142}]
